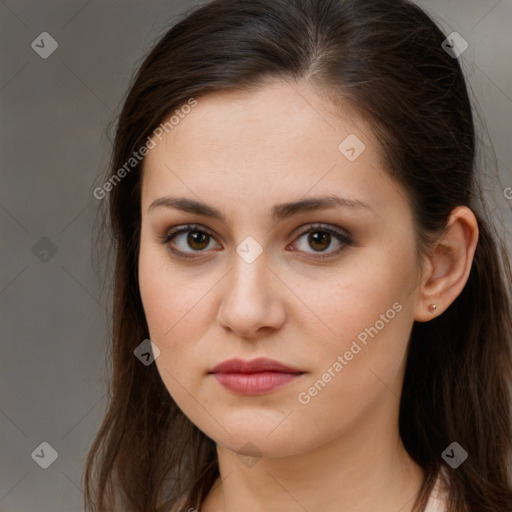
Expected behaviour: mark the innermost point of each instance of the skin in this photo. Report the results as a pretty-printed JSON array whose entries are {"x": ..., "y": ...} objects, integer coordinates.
[{"x": 242, "y": 153}]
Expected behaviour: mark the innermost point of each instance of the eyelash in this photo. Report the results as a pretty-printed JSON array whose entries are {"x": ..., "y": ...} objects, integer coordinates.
[{"x": 339, "y": 235}]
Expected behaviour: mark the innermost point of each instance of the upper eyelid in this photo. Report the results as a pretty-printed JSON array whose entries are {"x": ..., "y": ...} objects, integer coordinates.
[
  {"x": 304, "y": 228},
  {"x": 340, "y": 234}
]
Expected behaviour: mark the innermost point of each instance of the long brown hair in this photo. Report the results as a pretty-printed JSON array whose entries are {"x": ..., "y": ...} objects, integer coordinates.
[{"x": 385, "y": 58}]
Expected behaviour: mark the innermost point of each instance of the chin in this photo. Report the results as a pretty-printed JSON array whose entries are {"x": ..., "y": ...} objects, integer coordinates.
[{"x": 259, "y": 438}]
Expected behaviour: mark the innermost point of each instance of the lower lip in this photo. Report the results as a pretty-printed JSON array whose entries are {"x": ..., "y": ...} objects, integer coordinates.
[{"x": 254, "y": 383}]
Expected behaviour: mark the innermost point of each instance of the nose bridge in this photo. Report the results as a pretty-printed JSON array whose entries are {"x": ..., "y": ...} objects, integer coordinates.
[
  {"x": 250, "y": 300},
  {"x": 250, "y": 265},
  {"x": 250, "y": 277}
]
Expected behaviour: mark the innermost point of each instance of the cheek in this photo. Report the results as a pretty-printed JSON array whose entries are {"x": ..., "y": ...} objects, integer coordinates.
[
  {"x": 171, "y": 305},
  {"x": 179, "y": 311},
  {"x": 366, "y": 319},
  {"x": 360, "y": 369},
  {"x": 167, "y": 300},
  {"x": 355, "y": 298},
  {"x": 170, "y": 297}
]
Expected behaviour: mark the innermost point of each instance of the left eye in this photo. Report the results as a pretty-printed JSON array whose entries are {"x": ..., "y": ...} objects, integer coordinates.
[{"x": 319, "y": 238}]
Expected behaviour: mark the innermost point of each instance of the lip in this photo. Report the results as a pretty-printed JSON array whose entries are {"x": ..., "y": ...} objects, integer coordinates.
[
  {"x": 254, "y": 377},
  {"x": 261, "y": 364}
]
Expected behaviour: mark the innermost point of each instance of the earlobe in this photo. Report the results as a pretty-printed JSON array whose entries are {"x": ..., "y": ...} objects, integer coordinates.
[{"x": 449, "y": 265}]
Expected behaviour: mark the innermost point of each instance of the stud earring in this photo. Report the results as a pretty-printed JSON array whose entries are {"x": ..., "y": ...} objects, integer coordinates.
[{"x": 432, "y": 308}]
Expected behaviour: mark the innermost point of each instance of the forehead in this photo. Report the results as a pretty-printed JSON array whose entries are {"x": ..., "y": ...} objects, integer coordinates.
[
  {"x": 279, "y": 119},
  {"x": 281, "y": 138}
]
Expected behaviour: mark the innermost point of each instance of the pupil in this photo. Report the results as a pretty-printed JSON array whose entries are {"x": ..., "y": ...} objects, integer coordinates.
[{"x": 320, "y": 237}]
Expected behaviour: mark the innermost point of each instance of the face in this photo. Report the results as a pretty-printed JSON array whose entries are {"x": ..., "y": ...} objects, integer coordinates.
[{"x": 328, "y": 291}]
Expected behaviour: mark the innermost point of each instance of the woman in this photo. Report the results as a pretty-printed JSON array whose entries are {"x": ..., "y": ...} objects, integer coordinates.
[{"x": 311, "y": 310}]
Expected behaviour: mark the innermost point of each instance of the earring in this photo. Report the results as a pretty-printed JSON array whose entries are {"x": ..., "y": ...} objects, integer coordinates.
[{"x": 432, "y": 308}]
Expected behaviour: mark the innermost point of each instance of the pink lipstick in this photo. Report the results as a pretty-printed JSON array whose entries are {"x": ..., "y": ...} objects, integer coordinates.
[{"x": 254, "y": 377}]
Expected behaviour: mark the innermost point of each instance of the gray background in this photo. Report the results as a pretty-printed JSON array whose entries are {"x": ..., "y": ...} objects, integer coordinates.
[{"x": 54, "y": 147}]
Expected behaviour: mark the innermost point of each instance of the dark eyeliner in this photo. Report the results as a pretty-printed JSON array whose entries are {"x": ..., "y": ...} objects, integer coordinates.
[
  {"x": 181, "y": 229},
  {"x": 340, "y": 235},
  {"x": 169, "y": 235}
]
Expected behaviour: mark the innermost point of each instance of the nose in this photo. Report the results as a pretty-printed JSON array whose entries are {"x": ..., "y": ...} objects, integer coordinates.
[{"x": 253, "y": 299}]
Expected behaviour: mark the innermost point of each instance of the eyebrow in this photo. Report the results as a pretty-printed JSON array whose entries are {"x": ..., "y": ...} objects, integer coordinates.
[{"x": 279, "y": 211}]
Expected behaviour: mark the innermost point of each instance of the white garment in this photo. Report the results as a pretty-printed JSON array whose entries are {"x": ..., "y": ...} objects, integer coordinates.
[{"x": 437, "y": 500}]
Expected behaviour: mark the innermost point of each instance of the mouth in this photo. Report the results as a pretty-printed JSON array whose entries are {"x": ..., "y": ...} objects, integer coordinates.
[{"x": 254, "y": 377}]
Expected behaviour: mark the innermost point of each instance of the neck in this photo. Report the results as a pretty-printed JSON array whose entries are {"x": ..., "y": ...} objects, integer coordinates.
[{"x": 366, "y": 468}]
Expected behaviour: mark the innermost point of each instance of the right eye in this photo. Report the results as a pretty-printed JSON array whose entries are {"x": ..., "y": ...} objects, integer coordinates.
[{"x": 190, "y": 236}]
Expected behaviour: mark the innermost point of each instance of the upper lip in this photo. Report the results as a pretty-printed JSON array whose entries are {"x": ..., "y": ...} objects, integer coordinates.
[{"x": 261, "y": 364}]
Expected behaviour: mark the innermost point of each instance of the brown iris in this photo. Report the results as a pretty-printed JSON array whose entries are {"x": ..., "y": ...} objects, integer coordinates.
[
  {"x": 198, "y": 240},
  {"x": 319, "y": 238}
]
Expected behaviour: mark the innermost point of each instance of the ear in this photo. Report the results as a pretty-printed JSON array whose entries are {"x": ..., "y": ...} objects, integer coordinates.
[{"x": 446, "y": 269}]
